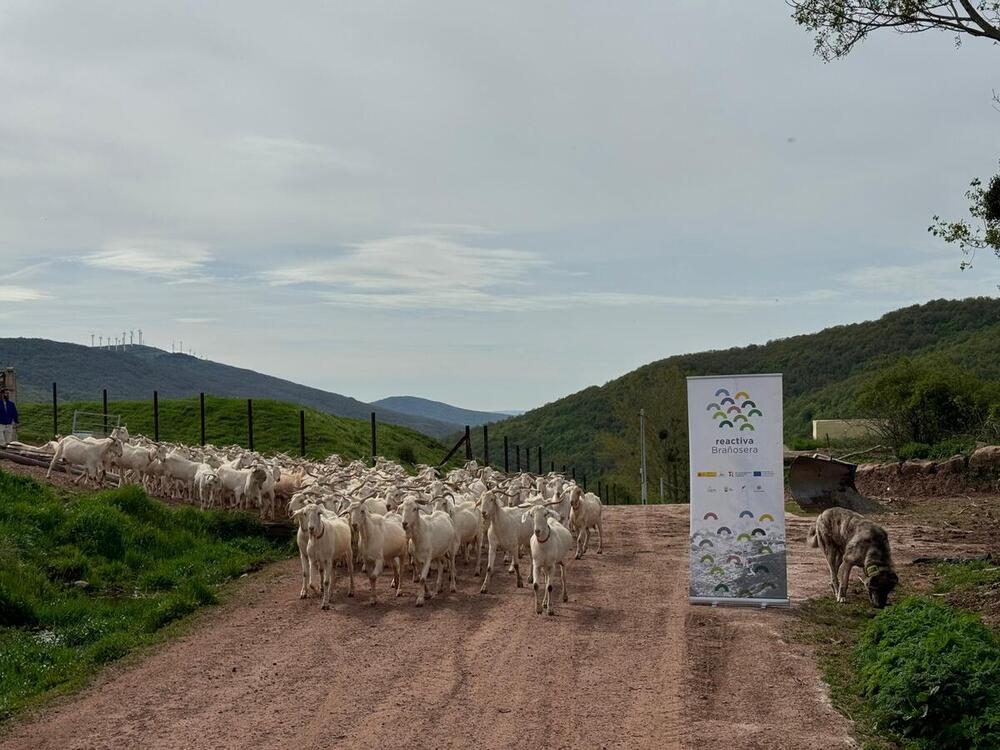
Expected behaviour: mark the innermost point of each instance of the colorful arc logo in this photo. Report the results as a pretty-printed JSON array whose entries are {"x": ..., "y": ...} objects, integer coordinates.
[{"x": 734, "y": 411}]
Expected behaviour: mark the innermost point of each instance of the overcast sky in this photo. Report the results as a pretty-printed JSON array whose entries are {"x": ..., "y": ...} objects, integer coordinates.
[{"x": 491, "y": 204}]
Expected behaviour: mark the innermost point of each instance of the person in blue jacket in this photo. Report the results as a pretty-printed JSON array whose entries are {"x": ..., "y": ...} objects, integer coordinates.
[{"x": 8, "y": 417}]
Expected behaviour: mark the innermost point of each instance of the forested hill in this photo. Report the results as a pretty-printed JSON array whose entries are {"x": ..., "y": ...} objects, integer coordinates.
[
  {"x": 422, "y": 407},
  {"x": 81, "y": 372},
  {"x": 596, "y": 430}
]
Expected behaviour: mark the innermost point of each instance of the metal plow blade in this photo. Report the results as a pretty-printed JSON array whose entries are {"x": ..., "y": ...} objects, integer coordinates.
[{"x": 819, "y": 482}]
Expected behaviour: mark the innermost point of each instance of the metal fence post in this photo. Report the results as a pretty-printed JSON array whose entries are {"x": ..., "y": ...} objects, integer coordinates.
[
  {"x": 104, "y": 400},
  {"x": 540, "y": 459},
  {"x": 506, "y": 457},
  {"x": 156, "y": 417},
  {"x": 201, "y": 406},
  {"x": 517, "y": 454},
  {"x": 468, "y": 444},
  {"x": 55, "y": 412},
  {"x": 486, "y": 445},
  {"x": 302, "y": 432},
  {"x": 374, "y": 443},
  {"x": 250, "y": 422},
  {"x": 552, "y": 466}
]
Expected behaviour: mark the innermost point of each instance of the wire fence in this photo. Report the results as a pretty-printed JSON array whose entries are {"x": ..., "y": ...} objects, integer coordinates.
[{"x": 512, "y": 458}]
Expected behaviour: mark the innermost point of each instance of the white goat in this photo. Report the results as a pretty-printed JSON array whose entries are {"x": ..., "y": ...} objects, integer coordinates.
[
  {"x": 508, "y": 530},
  {"x": 434, "y": 539},
  {"x": 329, "y": 542},
  {"x": 90, "y": 455},
  {"x": 584, "y": 515},
  {"x": 550, "y": 545},
  {"x": 383, "y": 541}
]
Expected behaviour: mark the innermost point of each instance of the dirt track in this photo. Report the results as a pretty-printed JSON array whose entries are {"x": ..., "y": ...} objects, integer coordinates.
[{"x": 626, "y": 663}]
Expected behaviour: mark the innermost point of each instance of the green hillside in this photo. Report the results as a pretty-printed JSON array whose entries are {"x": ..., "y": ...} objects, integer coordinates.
[
  {"x": 596, "y": 430},
  {"x": 82, "y": 372},
  {"x": 275, "y": 427}
]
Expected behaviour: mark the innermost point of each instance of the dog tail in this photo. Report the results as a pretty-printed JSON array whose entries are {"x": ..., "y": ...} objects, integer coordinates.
[{"x": 812, "y": 539}]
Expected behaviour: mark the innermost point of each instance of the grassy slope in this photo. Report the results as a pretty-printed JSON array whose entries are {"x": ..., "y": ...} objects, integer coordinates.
[
  {"x": 276, "y": 427},
  {"x": 592, "y": 429},
  {"x": 145, "y": 565}
]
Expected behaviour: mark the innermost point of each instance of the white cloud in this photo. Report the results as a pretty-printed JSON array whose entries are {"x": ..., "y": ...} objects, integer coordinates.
[
  {"x": 419, "y": 271},
  {"x": 290, "y": 154},
  {"x": 438, "y": 272},
  {"x": 153, "y": 256},
  {"x": 21, "y": 294},
  {"x": 923, "y": 280}
]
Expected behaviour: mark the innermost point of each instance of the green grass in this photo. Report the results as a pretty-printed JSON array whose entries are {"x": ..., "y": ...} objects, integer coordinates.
[
  {"x": 275, "y": 427},
  {"x": 145, "y": 565},
  {"x": 966, "y": 576},
  {"x": 833, "y": 630},
  {"x": 917, "y": 675},
  {"x": 931, "y": 676}
]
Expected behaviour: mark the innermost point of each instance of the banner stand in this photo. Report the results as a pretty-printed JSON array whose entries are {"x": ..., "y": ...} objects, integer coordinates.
[
  {"x": 737, "y": 524},
  {"x": 762, "y": 603}
]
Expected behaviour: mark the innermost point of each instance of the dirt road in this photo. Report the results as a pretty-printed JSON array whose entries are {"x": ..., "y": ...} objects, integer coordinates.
[{"x": 627, "y": 663}]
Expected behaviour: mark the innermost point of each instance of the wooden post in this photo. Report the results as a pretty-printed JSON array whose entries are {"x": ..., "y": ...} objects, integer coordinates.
[
  {"x": 156, "y": 416},
  {"x": 486, "y": 445},
  {"x": 468, "y": 444},
  {"x": 574, "y": 473},
  {"x": 250, "y": 422},
  {"x": 55, "y": 412},
  {"x": 517, "y": 454},
  {"x": 201, "y": 409},
  {"x": 539, "y": 459},
  {"x": 374, "y": 443},
  {"x": 552, "y": 466},
  {"x": 506, "y": 457},
  {"x": 104, "y": 400},
  {"x": 302, "y": 432}
]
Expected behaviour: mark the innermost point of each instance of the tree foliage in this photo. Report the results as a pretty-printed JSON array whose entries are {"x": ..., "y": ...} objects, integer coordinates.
[
  {"x": 839, "y": 25},
  {"x": 596, "y": 430},
  {"x": 921, "y": 403},
  {"x": 983, "y": 232}
]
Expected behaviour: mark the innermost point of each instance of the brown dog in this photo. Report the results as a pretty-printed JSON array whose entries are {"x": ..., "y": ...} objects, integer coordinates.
[{"x": 848, "y": 539}]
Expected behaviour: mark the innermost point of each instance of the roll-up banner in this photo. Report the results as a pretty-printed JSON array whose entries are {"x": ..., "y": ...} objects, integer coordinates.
[{"x": 737, "y": 536}]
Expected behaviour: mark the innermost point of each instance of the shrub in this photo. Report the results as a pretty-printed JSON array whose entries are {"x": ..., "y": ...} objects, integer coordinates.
[
  {"x": 914, "y": 450},
  {"x": 803, "y": 444},
  {"x": 16, "y": 610},
  {"x": 952, "y": 447},
  {"x": 931, "y": 674},
  {"x": 99, "y": 530},
  {"x": 925, "y": 402},
  {"x": 66, "y": 564}
]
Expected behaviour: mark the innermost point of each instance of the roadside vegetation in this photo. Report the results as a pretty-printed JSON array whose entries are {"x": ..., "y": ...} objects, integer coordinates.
[
  {"x": 921, "y": 674},
  {"x": 87, "y": 578},
  {"x": 275, "y": 427}
]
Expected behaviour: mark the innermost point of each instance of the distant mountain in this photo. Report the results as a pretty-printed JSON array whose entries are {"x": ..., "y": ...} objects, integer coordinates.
[
  {"x": 596, "y": 431},
  {"x": 81, "y": 372},
  {"x": 441, "y": 412}
]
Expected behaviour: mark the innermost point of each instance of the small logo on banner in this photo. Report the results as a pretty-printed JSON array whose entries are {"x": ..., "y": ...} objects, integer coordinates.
[{"x": 734, "y": 412}]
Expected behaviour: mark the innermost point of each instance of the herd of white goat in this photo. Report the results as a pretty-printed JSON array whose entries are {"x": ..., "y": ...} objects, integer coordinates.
[{"x": 379, "y": 517}]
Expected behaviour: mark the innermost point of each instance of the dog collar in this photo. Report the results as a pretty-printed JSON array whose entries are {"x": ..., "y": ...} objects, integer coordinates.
[{"x": 543, "y": 541}]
